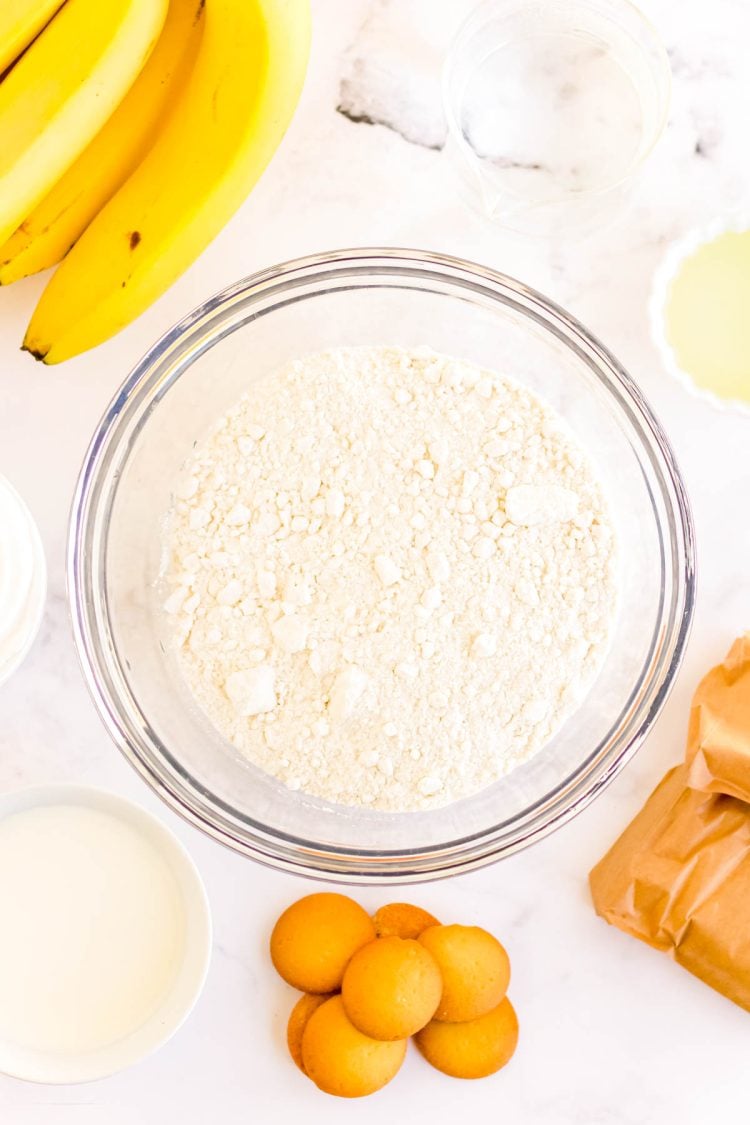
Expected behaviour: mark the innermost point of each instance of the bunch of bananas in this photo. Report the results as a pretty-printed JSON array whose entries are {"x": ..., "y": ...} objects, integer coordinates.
[{"x": 130, "y": 132}]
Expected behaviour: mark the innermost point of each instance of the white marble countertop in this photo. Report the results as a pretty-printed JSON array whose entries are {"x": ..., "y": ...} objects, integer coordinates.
[{"x": 612, "y": 1032}]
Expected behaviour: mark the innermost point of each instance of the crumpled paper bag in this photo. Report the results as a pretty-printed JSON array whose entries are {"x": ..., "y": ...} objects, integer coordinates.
[
  {"x": 679, "y": 879},
  {"x": 718, "y": 746}
]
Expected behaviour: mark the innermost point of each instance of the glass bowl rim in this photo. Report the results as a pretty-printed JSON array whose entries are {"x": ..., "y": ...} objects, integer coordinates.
[{"x": 152, "y": 760}]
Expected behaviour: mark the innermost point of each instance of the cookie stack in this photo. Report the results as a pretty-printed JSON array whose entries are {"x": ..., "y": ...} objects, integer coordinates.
[{"x": 370, "y": 984}]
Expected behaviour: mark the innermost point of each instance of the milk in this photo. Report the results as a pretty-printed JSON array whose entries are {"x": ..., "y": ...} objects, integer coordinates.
[{"x": 92, "y": 932}]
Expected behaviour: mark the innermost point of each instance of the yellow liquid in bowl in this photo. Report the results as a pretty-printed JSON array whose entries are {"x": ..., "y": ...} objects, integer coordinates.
[{"x": 707, "y": 316}]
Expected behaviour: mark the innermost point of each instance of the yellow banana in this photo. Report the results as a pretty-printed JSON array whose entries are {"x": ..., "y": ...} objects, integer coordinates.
[
  {"x": 221, "y": 134},
  {"x": 20, "y": 21},
  {"x": 63, "y": 89},
  {"x": 46, "y": 235}
]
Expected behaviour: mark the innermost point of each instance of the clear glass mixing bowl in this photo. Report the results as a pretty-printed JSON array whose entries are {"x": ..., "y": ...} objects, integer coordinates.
[
  {"x": 202, "y": 366},
  {"x": 552, "y": 107}
]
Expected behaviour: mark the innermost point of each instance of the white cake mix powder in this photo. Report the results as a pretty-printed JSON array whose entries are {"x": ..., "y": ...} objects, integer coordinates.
[{"x": 391, "y": 576}]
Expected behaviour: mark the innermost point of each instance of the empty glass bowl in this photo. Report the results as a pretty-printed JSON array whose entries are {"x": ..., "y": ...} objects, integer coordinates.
[
  {"x": 552, "y": 107},
  {"x": 197, "y": 370}
]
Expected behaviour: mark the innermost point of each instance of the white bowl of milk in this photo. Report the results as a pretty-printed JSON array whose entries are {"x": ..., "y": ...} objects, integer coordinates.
[{"x": 106, "y": 934}]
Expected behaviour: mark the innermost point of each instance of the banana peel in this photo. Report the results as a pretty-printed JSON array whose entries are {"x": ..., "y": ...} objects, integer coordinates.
[
  {"x": 63, "y": 89},
  {"x": 47, "y": 234},
  {"x": 228, "y": 122}
]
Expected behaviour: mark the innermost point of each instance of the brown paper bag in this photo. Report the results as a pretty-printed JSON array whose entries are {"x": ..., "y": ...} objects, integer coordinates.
[
  {"x": 718, "y": 747},
  {"x": 679, "y": 879}
]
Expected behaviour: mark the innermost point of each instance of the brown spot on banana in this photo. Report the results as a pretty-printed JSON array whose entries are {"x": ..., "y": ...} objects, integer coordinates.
[{"x": 35, "y": 352}]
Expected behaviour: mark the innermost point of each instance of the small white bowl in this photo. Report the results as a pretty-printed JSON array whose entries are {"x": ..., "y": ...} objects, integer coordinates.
[
  {"x": 23, "y": 580},
  {"x": 667, "y": 270},
  {"x": 33, "y": 1065}
]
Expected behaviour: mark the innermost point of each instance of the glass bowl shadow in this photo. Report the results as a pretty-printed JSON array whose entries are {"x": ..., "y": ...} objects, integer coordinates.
[{"x": 196, "y": 371}]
